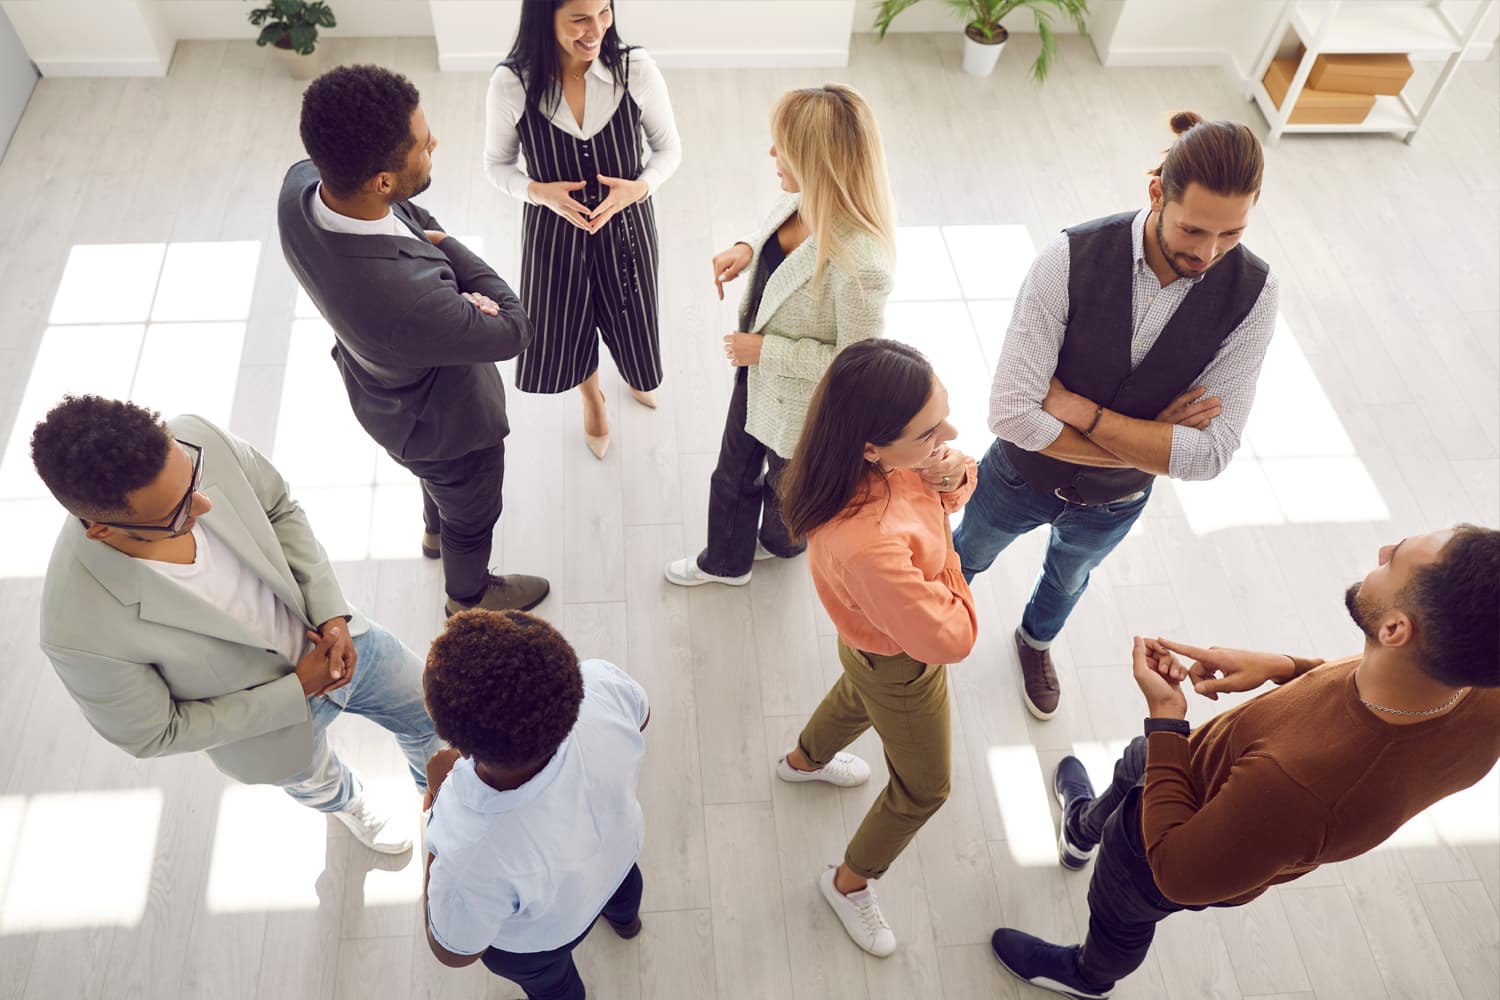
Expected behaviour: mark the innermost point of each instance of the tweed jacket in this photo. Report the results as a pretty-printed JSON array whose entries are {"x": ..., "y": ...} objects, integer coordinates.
[
  {"x": 155, "y": 669},
  {"x": 804, "y": 329}
]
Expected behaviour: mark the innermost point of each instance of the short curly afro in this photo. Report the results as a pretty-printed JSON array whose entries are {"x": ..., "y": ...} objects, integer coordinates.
[
  {"x": 356, "y": 122},
  {"x": 92, "y": 453},
  {"x": 503, "y": 687}
]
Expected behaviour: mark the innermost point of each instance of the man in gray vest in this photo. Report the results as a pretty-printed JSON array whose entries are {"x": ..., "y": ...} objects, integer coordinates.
[
  {"x": 419, "y": 319},
  {"x": 1132, "y": 352}
]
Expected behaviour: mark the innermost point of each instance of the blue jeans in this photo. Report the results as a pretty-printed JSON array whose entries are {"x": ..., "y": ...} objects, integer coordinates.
[
  {"x": 1003, "y": 508},
  {"x": 386, "y": 689},
  {"x": 551, "y": 975}
]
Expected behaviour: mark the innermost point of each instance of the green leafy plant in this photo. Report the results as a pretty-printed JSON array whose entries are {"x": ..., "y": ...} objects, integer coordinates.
[
  {"x": 292, "y": 24},
  {"x": 983, "y": 18}
]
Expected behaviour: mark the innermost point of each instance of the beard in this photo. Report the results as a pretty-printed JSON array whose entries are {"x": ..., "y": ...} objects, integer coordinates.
[
  {"x": 1364, "y": 616},
  {"x": 409, "y": 189},
  {"x": 1171, "y": 255}
]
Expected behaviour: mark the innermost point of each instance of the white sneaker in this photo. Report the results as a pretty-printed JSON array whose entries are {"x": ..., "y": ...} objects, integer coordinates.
[
  {"x": 845, "y": 770},
  {"x": 685, "y": 573},
  {"x": 376, "y": 832},
  {"x": 762, "y": 553},
  {"x": 860, "y": 914}
]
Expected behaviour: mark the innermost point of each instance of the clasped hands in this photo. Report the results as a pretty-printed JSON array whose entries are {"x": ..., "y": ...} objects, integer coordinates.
[
  {"x": 1159, "y": 673},
  {"x": 558, "y": 196},
  {"x": 1191, "y": 409},
  {"x": 329, "y": 665}
]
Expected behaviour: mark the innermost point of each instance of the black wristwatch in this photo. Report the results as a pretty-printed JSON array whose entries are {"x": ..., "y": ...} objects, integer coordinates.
[{"x": 1178, "y": 726}]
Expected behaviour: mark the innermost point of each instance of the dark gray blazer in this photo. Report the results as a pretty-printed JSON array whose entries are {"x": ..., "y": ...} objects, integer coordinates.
[{"x": 417, "y": 359}]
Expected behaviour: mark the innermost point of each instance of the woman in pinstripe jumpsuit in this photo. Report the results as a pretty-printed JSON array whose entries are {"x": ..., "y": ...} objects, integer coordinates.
[{"x": 574, "y": 101}]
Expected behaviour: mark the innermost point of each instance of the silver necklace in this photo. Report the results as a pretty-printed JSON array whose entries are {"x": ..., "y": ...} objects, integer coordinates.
[{"x": 1406, "y": 711}]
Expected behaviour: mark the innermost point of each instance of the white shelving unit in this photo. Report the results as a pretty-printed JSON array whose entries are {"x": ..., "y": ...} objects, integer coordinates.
[{"x": 1414, "y": 27}]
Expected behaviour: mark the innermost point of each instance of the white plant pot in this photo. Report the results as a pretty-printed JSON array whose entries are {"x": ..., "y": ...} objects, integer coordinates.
[
  {"x": 299, "y": 67},
  {"x": 979, "y": 58}
]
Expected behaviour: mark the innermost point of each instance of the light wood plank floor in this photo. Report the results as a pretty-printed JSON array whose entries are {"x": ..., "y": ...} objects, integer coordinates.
[{"x": 139, "y": 256}]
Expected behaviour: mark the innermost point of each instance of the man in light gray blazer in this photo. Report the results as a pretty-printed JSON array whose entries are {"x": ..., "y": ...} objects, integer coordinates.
[{"x": 188, "y": 607}]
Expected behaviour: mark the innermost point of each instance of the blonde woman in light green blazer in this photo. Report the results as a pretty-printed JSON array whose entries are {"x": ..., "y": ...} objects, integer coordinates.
[{"x": 820, "y": 271}]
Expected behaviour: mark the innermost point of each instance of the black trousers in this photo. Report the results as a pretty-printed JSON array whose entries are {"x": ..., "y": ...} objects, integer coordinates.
[
  {"x": 742, "y": 498},
  {"x": 461, "y": 504},
  {"x": 1124, "y": 904},
  {"x": 551, "y": 975}
]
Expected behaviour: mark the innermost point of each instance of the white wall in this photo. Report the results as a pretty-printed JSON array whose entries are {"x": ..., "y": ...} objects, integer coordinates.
[
  {"x": 92, "y": 37},
  {"x": 357, "y": 18},
  {"x": 1200, "y": 32},
  {"x": 1222, "y": 32},
  {"x": 136, "y": 37},
  {"x": 935, "y": 15},
  {"x": 17, "y": 80},
  {"x": 476, "y": 34}
]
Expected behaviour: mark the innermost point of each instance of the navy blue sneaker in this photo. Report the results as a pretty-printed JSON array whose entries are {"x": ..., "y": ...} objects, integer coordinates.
[
  {"x": 1045, "y": 966},
  {"x": 1071, "y": 784}
]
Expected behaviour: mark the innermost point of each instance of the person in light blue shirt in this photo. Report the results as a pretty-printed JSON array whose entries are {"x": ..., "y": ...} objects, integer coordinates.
[{"x": 535, "y": 828}]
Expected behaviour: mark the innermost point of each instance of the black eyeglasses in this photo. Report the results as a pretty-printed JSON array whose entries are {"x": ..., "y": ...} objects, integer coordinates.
[{"x": 184, "y": 507}]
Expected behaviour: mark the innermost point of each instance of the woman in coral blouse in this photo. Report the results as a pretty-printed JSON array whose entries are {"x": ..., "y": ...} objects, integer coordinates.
[{"x": 870, "y": 486}]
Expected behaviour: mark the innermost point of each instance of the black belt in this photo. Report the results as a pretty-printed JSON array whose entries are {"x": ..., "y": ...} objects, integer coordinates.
[{"x": 1096, "y": 503}]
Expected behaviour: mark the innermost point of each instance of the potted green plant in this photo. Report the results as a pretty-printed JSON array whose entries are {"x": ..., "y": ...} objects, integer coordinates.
[
  {"x": 291, "y": 26},
  {"x": 984, "y": 35}
]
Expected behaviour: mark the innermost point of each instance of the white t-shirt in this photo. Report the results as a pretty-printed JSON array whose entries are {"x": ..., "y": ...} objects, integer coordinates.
[
  {"x": 221, "y": 578},
  {"x": 527, "y": 870},
  {"x": 332, "y": 221}
]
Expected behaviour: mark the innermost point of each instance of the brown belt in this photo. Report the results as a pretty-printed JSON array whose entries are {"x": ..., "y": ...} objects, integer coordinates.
[{"x": 1101, "y": 503}]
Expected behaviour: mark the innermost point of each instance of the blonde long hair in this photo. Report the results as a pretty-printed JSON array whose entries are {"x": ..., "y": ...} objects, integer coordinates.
[{"x": 829, "y": 137}]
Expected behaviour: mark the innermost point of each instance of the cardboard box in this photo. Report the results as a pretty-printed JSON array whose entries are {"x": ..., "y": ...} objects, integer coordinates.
[
  {"x": 1378, "y": 73},
  {"x": 1315, "y": 107}
]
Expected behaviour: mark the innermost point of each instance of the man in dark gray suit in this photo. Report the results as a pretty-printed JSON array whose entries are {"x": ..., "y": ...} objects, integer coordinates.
[{"x": 420, "y": 319}]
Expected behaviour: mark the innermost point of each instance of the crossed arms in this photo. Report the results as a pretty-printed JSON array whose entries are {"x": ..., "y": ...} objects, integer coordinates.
[{"x": 1193, "y": 437}]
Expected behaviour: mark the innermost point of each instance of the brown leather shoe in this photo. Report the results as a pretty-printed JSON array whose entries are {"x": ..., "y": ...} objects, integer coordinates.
[
  {"x": 1039, "y": 687},
  {"x": 512, "y": 592},
  {"x": 432, "y": 545}
]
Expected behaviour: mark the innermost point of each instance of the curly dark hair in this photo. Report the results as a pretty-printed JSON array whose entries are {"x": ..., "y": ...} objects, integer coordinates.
[
  {"x": 92, "y": 453},
  {"x": 503, "y": 687},
  {"x": 1455, "y": 603},
  {"x": 356, "y": 122}
]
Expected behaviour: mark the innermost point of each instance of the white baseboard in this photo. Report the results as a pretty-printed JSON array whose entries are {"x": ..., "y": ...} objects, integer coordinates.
[
  {"x": 1173, "y": 57},
  {"x": 483, "y": 62},
  {"x": 102, "y": 67}
]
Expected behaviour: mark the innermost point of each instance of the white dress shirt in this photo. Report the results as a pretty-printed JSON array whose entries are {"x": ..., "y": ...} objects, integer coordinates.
[
  {"x": 1028, "y": 358},
  {"x": 334, "y": 222},
  {"x": 506, "y": 103},
  {"x": 528, "y": 869}
]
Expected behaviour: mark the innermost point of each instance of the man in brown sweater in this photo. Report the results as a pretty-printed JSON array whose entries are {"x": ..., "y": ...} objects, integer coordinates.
[{"x": 1322, "y": 769}]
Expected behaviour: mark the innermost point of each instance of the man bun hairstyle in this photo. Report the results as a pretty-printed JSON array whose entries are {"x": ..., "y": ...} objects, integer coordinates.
[
  {"x": 356, "y": 123},
  {"x": 1224, "y": 157},
  {"x": 1454, "y": 601},
  {"x": 503, "y": 687},
  {"x": 92, "y": 453}
]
